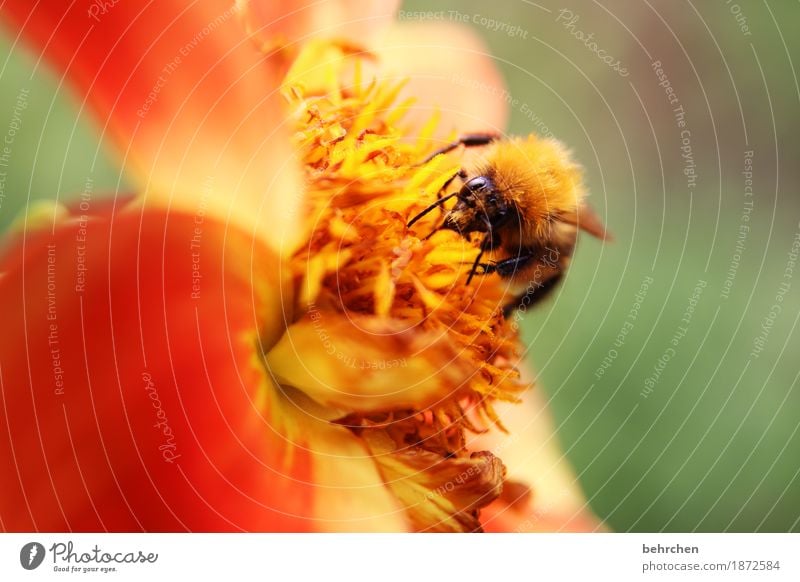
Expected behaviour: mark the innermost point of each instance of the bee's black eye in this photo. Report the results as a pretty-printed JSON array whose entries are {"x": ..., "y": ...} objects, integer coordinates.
[
  {"x": 478, "y": 183},
  {"x": 475, "y": 190}
]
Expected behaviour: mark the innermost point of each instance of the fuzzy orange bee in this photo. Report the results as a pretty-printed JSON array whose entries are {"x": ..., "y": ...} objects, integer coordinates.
[{"x": 527, "y": 196}]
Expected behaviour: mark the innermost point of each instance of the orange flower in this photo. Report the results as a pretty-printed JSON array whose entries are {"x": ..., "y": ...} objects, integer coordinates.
[{"x": 256, "y": 341}]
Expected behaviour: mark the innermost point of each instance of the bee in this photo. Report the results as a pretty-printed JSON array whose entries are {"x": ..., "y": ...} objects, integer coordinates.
[{"x": 526, "y": 197}]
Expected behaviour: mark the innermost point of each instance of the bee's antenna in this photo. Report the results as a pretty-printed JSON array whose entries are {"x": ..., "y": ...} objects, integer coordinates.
[{"x": 430, "y": 208}]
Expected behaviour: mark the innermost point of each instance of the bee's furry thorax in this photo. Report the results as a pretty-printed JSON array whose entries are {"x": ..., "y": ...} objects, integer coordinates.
[{"x": 538, "y": 177}]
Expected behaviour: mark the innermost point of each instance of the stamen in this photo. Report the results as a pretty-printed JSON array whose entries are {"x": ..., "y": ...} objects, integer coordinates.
[{"x": 362, "y": 186}]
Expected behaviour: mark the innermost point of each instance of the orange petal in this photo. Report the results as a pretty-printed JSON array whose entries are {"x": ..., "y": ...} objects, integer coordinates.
[
  {"x": 283, "y": 25},
  {"x": 534, "y": 459},
  {"x": 190, "y": 103},
  {"x": 366, "y": 364},
  {"x": 450, "y": 70},
  {"x": 135, "y": 397}
]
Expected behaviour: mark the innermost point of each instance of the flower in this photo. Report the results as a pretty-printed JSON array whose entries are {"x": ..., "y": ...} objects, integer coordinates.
[{"x": 255, "y": 341}]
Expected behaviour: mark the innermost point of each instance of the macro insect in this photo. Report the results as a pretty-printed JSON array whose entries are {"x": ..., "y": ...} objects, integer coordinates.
[{"x": 527, "y": 198}]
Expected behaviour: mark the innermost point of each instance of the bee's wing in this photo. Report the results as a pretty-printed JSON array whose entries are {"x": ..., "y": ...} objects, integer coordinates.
[{"x": 585, "y": 218}]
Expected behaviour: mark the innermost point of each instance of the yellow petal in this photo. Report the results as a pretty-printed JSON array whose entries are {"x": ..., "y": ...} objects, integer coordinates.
[
  {"x": 366, "y": 364},
  {"x": 439, "y": 494},
  {"x": 349, "y": 493}
]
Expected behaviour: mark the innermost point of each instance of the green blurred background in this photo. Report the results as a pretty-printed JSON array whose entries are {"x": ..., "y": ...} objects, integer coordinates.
[{"x": 705, "y": 441}]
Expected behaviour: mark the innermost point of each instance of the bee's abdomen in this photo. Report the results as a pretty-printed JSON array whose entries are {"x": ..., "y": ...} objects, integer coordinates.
[
  {"x": 532, "y": 294},
  {"x": 537, "y": 273}
]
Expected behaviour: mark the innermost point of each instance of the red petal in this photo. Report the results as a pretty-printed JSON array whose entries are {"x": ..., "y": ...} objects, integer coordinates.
[
  {"x": 133, "y": 393},
  {"x": 187, "y": 98}
]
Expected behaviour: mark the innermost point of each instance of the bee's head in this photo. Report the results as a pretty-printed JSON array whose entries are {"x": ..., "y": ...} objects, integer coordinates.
[{"x": 480, "y": 208}]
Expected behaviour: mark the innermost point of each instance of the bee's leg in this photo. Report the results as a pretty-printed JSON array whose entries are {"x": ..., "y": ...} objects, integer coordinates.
[
  {"x": 506, "y": 267},
  {"x": 474, "y": 270},
  {"x": 462, "y": 174},
  {"x": 489, "y": 242},
  {"x": 467, "y": 140}
]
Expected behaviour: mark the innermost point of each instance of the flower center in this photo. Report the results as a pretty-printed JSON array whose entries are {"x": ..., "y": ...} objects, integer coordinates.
[{"x": 365, "y": 181}]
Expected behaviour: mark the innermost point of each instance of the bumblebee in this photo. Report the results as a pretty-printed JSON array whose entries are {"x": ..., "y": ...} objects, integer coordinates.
[{"x": 526, "y": 197}]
